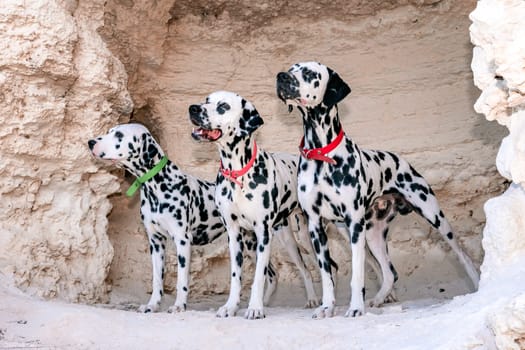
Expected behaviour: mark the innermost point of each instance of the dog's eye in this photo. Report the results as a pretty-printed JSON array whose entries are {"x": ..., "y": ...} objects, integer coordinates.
[{"x": 223, "y": 107}]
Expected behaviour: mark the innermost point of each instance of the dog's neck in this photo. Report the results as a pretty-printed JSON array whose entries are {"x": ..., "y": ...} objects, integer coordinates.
[
  {"x": 321, "y": 125},
  {"x": 236, "y": 154},
  {"x": 147, "y": 156}
]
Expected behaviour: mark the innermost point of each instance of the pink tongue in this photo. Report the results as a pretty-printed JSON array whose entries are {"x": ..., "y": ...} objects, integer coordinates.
[{"x": 214, "y": 134}]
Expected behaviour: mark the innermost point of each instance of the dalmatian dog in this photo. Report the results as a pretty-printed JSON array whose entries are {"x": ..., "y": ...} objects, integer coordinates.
[
  {"x": 173, "y": 205},
  {"x": 255, "y": 190},
  {"x": 339, "y": 181}
]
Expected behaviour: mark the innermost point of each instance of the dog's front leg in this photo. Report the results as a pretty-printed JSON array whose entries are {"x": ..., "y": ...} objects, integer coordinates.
[
  {"x": 320, "y": 244},
  {"x": 236, "y": 246},
  {"x": 356, "y": 229},
  {"x": 183, "y": 274},
  {"x": 255, "y": 306},
  {"x": 157, "y": 244}
]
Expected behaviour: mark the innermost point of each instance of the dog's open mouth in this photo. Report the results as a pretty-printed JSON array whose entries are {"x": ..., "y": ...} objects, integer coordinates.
[{"x": 201, "y": 134}]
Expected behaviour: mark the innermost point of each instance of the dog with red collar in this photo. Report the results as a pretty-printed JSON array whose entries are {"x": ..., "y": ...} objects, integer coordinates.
[
  {"x": 339, "y": 181},
  {"x": 255, "y": 190},
  {"x": 173, "y": 205}
]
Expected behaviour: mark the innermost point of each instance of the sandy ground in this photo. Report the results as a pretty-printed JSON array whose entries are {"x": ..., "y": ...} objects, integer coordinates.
[{"x": 460, "y": 323}]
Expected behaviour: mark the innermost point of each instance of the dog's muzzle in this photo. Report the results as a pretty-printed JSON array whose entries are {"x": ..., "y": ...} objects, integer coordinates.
[
  {"x": 201, "y": 132},
  {"x": 287, "y": 86}
]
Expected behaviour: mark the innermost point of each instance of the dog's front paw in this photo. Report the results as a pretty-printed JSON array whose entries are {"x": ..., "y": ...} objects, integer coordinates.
[
  {"x": 176, "y": 308},
  {"x": 323, "y": 312},
  {"x": 310, "y": 304},
  {"x": 254, "y": 314},
  {"x": 148, "y": 308},
  {"x": 354, "y": 312},
  {"x": 227, "y": 311}
]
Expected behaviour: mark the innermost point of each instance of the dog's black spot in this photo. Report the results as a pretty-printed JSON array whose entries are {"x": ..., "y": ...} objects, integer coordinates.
[
  {"x": 119, "y": 135},
  {"x": 308, "y": 75},
  {"x": 394, "y": 272},
  {"x": 385, "y": 233},
  {"x": 437, "y": 222},
  {"x": 223, "y": 107},
  {"x": 417, "y": 187},
  {"x": 394, "y": 158},
  {"x": 182, "y": 261},
  {"x": 266, "y": 199},
  {"x": 238, "y": 259},
  {"x": 317, "y": 247},
  {"x": 326, "y": 263}
]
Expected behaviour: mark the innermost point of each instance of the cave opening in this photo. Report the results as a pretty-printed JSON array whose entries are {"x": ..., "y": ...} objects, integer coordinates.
[{"x": 409, "y": 68}]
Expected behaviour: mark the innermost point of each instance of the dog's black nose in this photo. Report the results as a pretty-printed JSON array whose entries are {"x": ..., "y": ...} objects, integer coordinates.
[
  {"x": 195, "y": 109},
  {"x": 283, "y": 77},
  {"x": 91, "y": 144}
]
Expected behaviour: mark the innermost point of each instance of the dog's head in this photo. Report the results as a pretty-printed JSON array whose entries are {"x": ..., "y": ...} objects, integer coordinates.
[
  {"x": 223, "y": 116},
  {"x": 311, "y": 84},
  {"x": 128, "y": 145}
]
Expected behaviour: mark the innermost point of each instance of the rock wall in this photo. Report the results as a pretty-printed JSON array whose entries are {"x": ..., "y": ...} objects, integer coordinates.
[
  {"x": 59, "y": 83},
  {"x": 499, "y": 38}
]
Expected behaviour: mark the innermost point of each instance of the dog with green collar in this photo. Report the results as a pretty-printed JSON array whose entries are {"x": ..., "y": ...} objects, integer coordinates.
[{"x": 173, "y": 205}]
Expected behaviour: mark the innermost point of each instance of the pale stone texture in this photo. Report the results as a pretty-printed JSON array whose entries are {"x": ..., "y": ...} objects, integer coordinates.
[
  {"x": 59, "y": 83},
  {"x": 499, "y": 35},
  {"x": 499, "y": 72}
]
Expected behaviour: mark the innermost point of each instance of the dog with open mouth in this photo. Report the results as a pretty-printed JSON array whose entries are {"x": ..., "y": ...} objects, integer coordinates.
[
  {"x": 255, "y": 190},
  {"x": 173, "y": 205}
]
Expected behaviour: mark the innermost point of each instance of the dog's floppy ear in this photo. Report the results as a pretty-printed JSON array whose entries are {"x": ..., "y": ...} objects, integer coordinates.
[
  {"x": 149, "y": 150},
  {"x": 250, "y": 119},
  {"x": 336, "y": 89}
]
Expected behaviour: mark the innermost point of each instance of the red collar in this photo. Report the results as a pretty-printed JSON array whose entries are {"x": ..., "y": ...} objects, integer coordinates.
[
  {"x": 320, "y": 153},
  {"x": 232, "y": 175}
]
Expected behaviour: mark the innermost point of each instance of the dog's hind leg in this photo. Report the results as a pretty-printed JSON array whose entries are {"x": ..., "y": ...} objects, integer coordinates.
[
  {"x": 418, "y": 193},
  {"x": 271, "y": 283},
  {"x": 376, "y": 233},
  {"x": 285, "y": 235}
]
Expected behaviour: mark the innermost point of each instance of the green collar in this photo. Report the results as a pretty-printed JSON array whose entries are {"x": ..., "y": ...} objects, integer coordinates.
[{"x": 138, "y": 182}]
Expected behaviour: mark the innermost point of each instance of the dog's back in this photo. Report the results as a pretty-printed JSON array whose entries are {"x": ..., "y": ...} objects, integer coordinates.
[{"x": 181, "y": 200}]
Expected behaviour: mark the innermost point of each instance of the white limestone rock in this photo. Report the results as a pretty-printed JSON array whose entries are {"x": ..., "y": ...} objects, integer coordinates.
[{"x": 59, "y": 84}]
